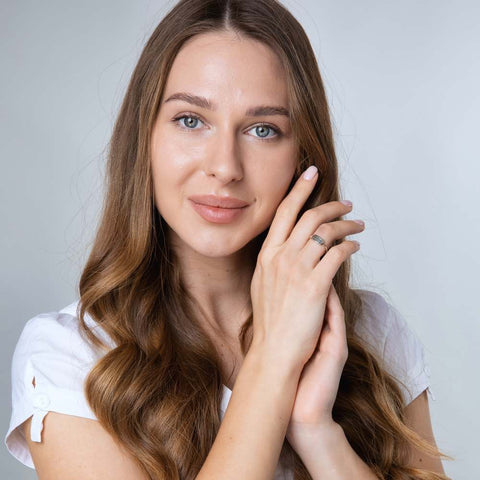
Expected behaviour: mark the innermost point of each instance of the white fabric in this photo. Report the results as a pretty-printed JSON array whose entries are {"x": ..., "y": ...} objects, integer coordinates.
[
  {"x": 51, "y": 349},
  {"x": 384, "y": 328}
]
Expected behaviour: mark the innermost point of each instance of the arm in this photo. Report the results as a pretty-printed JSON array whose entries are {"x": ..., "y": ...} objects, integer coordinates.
[
  {"x": 328, "y": 455},
  {"x": 252, "y": 432},
  {"x": 418, "y": 419},
  {"x": 247, "y": 445},
  {"x": 79, "y": 448}
]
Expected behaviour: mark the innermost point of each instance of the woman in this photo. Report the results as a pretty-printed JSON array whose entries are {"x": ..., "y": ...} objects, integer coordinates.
[{"x": 219, "y": 277}]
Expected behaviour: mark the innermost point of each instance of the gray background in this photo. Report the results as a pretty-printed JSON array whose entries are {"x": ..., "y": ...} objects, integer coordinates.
[{"x": 402, "y": 79}]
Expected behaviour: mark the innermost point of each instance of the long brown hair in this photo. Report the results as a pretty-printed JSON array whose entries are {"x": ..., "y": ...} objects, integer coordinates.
[{"x": 159, "y": 390}]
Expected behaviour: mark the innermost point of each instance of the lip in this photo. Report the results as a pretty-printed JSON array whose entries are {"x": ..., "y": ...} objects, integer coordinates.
[
  {"x": 216, "y": 201},
  {"x": 217, "y": 214}
]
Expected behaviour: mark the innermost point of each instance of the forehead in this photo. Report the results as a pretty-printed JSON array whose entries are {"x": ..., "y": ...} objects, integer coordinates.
[{"x": 228, "y": 68}]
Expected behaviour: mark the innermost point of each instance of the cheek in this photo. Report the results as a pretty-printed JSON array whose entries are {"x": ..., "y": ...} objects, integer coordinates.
[
  {"x": 277, "y": 182},
  {"x": 164, "y": 181},
  {"x": 167, "y": 161},
  {"x": 171, "y": 159},
  {"x": 272, "y": 189}
]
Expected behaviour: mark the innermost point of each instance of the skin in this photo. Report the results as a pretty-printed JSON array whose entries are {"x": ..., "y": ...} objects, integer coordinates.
[{"x": 223, "y": 153}]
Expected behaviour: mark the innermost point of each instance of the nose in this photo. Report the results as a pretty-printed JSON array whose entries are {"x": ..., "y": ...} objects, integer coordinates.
[{"x": 224, "y": 158}]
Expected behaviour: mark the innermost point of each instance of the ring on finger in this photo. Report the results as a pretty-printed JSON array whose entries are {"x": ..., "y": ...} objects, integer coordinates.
[{"x": 320, "y": 241}]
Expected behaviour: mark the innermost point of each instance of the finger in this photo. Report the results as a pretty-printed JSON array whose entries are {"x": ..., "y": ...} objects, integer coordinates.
[
  {"x": 329, "y": 312},
  {"x": 312, "y": 252},
  {"x": 323, "y": 273},
  {"x": 288, "y": 210},
  {"x": 333, "y": 337},
  {"x": 336, "y": 317},
  {"x": 322, "y": 218}
]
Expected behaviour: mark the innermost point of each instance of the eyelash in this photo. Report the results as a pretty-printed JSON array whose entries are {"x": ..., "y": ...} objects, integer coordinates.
[{"x": 192, "y": 115}]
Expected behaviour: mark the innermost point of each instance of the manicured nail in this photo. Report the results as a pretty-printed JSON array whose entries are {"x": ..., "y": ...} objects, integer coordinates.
[
  {"x": 346, "y": 202},
  {"x": 310, "y": 172}
]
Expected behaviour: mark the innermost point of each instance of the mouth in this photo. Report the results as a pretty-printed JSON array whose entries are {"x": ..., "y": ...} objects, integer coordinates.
[
  {"x": 217, "y": 214},
  {"x": 219, "y": 201}
]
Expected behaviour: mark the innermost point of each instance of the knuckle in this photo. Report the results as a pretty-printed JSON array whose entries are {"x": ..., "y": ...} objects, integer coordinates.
[
  {"x": 337, "y": 252},
  {"x": 284, "y": 209},
  {"x": 266, "y": 258},
  {"x": 310, "y": 214},
  {"x": 327, "y": 229},
  {"x": 261, "y": 259}
]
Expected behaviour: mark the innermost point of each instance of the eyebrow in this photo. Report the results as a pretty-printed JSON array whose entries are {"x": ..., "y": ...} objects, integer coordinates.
[{"x": 203, "y": 102}]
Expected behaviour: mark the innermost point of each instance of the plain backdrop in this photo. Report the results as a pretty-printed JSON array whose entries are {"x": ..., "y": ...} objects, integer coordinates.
[{"x": 402, "y": 80}]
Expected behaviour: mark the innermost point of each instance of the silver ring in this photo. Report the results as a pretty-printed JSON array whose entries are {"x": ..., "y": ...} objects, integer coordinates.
[{"x": 320, "y": 241}]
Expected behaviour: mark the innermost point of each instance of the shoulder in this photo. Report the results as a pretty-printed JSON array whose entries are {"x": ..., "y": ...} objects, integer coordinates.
[
  {"x": 60, "y": 331},
  {"x": 386, "y": 330},
  {"x": 50, "y": 363},
  {"x": 380, "y": 319},
  {"x": 54, "y": 345},
  {"x": 43, "y": 323},
  {"x": 374, "y": 324}
]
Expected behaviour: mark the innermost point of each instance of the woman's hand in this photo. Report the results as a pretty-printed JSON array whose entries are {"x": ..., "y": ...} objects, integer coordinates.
[
  {"x": 291, "y": 285},
  {"x": 293, "y": 275},
  {"x": 318, "y": 385}
]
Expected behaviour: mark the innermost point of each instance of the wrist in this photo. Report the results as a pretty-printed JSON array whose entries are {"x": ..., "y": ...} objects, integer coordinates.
[
  {"x": 273, "y": 356},
  {"x": 327, "y": 453},
  {"x": 325, "y": 436},
  {"x": 277, "y": 358}
]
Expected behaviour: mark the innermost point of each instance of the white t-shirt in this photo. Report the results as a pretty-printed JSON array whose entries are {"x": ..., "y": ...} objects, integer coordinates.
[{"x": 51, "y": 349}]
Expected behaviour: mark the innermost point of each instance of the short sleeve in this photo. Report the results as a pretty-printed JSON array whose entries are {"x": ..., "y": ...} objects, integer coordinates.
[
  {"x": 388, "y": 333},
  {"x": 404, "y": 352},
  {"x": 51, "y": 351}
]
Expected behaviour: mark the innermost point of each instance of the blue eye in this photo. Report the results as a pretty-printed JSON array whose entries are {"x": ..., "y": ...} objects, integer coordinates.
[
  {"x": 186, "y": 116},
  {"x": 176, "y": 120}
]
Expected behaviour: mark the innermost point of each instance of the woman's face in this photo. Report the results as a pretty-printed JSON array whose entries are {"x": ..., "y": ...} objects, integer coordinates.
[{"x": 226, "y": 150}]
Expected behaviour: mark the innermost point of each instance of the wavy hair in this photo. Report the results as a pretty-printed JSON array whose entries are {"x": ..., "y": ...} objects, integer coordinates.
[{"x": 159, "y": 390}]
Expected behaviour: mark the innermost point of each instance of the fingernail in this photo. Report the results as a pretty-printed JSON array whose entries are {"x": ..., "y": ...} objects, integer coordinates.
[
  {"x": 310, "y": 172},
  {"x": 346, "y": 202}
]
